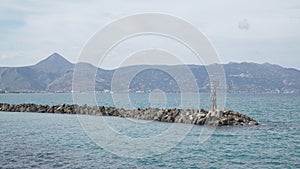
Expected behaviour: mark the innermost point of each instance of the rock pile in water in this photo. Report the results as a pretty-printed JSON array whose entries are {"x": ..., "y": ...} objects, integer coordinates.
[{"x": 198, "y": 117}]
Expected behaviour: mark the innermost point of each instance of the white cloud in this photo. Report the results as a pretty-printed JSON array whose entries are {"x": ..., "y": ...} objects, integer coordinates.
[
  {"x": 4, "y": 56},
  {"x": 51, "y": 26}
]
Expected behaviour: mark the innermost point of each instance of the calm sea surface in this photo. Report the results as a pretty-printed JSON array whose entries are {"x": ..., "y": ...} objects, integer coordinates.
[{"x": 36, "y": 140}]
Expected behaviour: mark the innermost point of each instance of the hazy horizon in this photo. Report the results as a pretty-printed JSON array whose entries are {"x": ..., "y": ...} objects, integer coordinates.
[{"x": 109, "y": 68}]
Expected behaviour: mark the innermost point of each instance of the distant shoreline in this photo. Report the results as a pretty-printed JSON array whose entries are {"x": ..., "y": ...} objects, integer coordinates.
[
  {"x": 100, "y": 92},
  {"x": 56, "y": 74}
]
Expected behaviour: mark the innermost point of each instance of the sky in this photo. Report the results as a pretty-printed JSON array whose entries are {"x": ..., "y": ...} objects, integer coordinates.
[{"x": 240, "y": 30}]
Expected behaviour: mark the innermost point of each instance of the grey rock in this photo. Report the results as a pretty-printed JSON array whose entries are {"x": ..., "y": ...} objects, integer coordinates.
[{"x": 217, "y": 118}]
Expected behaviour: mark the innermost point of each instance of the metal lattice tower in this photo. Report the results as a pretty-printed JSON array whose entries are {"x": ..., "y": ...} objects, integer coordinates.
[{"x": 213, "y": 95}]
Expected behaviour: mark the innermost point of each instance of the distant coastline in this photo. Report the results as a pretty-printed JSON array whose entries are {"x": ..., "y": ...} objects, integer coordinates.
[
  {"x": 102, "y": 92},
  {"x": 55, "y": 75}
]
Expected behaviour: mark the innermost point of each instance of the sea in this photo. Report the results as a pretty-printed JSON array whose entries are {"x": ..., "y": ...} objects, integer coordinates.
[{"x": 41, "y": 140}]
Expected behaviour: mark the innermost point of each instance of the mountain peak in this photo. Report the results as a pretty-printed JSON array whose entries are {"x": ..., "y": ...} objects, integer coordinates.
[
  {"x": 54, "y": 62},
  {"x": 55, "y": 57}
]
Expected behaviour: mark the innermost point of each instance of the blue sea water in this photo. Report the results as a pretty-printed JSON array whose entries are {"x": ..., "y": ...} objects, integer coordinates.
[{"x": 36, "y": 140}]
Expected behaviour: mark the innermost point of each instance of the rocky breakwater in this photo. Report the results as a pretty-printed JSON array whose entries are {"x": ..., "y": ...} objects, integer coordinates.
[{"x": 197, "y": 117}]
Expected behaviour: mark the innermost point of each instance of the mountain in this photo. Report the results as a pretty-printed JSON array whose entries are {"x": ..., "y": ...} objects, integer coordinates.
[
  {"x": 37, "y": 77},
  {"x": 55, "y": 63},
  {"x": 55, "y": 74},
  {"x": 261, "y": 78}
]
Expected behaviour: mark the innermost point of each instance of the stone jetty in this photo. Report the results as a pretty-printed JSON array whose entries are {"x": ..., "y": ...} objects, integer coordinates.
[{"x": 197, "y": 117}]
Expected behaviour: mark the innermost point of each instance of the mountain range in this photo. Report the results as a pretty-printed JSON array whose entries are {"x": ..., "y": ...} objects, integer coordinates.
[{"x": 55, "y": 74}]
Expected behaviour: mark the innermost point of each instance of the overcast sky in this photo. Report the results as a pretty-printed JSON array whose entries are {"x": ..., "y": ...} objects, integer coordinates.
[{"x": 241, "y": 30}]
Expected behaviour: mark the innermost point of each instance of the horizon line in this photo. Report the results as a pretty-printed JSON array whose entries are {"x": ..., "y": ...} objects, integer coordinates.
[{"x": 106, "y": 68}]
